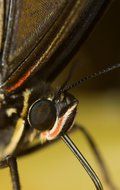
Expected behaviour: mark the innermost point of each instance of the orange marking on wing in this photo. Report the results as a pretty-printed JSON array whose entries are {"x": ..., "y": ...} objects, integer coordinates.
[{"x": 20, "y": 82}]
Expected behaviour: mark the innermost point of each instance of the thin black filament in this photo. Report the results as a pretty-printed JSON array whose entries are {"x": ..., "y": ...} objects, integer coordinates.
[{"x": 89, "y": 77}]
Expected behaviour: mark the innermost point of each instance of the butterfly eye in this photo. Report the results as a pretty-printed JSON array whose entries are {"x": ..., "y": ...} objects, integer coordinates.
[{"x": 42, "y": 115}]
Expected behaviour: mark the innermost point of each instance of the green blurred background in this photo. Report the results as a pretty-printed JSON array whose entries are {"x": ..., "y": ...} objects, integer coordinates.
[{"x": 55, "y": 167}]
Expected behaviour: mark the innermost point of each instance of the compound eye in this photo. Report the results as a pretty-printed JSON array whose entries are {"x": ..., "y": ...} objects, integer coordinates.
[{"x": 42, "y": 115}]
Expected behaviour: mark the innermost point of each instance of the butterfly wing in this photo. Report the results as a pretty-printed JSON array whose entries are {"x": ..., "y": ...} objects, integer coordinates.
[{"x": 42, "y": 36}]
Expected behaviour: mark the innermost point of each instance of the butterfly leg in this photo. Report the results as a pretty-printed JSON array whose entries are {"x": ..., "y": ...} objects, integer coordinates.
[
  {"x": 97, "y": 155},
  {"x": 11, "y": 162}
]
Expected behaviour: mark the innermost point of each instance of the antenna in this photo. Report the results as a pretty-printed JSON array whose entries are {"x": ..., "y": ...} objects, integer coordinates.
[{"x": 88, "y": 77}]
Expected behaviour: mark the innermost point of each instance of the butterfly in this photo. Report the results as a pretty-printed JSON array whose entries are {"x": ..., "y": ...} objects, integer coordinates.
[{"x": 38, "y": 39}]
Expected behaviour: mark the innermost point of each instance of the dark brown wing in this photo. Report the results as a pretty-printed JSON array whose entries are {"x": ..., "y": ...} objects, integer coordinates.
[
  {"x": 41, "y": 35},
  {"x": 1, "y": 22}
]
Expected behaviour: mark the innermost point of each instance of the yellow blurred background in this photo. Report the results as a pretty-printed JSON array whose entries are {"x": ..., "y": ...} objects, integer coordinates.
[{"x": 55, "y": 167}]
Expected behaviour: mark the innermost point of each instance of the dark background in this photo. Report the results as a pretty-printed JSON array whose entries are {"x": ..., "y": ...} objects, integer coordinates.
[{"x": 100, "y": 50}]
